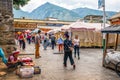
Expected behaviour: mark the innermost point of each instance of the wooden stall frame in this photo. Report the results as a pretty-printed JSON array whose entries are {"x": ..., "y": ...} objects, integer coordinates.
[{"x": 106, "y": 47}]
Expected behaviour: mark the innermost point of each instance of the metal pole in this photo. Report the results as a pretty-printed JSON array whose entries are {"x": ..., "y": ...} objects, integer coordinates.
[
  {"x": 104, "y": 14},
  {"x": 104, "y": 21}
]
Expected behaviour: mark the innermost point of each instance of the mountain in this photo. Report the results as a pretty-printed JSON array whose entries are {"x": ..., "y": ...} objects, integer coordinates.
[
  {"x": 86, "y": 11},
  {"x": 51, "y": 10},
  {"x": 20, "y": 13}
]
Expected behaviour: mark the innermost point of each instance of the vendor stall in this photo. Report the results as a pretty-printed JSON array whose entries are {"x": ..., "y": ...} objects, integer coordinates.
[
  {"x": 111, "y": 56},
  {"x": 89, "y": 33}
]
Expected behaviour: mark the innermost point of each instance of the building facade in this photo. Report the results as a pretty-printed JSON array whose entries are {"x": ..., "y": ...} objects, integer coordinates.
[
  {"x": 45, "y": 25},
  {"x": 115, "y": 20}
]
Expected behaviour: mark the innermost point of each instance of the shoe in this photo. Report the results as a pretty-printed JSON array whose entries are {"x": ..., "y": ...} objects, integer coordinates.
[
  {"x": 78, "y": 58},
  {"x": 65, "y": 65},
  {"x": 38, "y": 57},
  {"x": 74, "y": 66},
  {"x": 75, "y": 56}
]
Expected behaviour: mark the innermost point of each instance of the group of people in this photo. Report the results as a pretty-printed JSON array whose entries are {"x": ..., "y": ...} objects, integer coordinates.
[
  {"x": 69, "y": 45},
  {"x": 22, "y": 38},
  {"x": 64, "y": 44}
]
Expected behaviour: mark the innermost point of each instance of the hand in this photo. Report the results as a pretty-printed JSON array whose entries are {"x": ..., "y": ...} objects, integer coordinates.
[{"x": 71, "y": 48}]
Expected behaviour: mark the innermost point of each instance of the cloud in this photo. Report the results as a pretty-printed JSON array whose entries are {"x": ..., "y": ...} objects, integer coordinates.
[{"x": 111, "y": 5}]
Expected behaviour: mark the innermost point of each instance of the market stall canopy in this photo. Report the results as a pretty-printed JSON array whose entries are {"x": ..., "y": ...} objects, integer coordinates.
[
  {"x": 111, "y": 29},
  {"x": 78, "y": 26},
  {"x": 54, "y": 31},
  {"x": 96, "y": 26},
  {"x": 65, "y": 27},
  {"x": 83, "y": 25},
  {"x": 28, "y": 31}
]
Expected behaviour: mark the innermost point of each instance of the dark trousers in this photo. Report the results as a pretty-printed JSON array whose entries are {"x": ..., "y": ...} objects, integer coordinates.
[
  {"x": 29, "y": 40},
  {"x": 23, "y": 46},
  {"x": 66, "y": 55},
  {"x": 20, "y": 43},
  {"x": 15, "y": 65},
  {"x": 76, "y": 50},
  {"x": 53, "y": 44}
]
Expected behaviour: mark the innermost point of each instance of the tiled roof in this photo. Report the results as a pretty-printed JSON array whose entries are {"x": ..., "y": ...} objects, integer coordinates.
[
  {"x": 116, "y": 16},
  {"x": 111, "y": 29}
]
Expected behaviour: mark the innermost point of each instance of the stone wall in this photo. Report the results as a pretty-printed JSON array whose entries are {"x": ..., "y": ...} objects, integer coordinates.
[{"x": 6, "y": 26}]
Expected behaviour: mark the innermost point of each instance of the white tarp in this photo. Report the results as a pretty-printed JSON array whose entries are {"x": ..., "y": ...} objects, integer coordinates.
[
  {"x": 97, "y": 26},
  {"x": 54, "y": 30},
  {"x": 113, "y": 57}
]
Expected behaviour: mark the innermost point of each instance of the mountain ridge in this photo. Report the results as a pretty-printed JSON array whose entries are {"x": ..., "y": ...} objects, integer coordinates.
[{"x": 55, "y": 11}]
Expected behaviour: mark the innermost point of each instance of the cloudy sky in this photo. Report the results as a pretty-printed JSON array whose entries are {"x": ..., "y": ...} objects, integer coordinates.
[{"x": 111, "y": 5}]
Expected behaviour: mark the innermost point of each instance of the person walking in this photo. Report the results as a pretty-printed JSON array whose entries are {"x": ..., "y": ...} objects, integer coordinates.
[
  {"x": 76, "y": 43},
  {"x": 29, "y": 38},
  {"x": 53, "y": 41},
  {"x": 46, "y": 41},
  {"x": 60, "y": 43},
  {"x": 22, "y": 41},
  {"x": 37, "y": 44},
  {"x": 68, "y": 51}
]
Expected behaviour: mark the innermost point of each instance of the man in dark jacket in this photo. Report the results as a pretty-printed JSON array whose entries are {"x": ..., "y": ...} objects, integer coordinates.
[
  {"x": 68, "y": 51},
  {"x": 53, "y": 41}
]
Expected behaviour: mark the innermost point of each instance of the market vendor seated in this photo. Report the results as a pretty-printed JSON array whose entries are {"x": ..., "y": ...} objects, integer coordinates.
[{"x": 14, "y": 60}]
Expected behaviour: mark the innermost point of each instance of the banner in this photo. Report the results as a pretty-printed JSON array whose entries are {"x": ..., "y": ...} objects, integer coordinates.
[{"x": 100, "y": 3}]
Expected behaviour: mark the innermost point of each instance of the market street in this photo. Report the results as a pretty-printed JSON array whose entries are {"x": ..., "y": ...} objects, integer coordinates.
[{"x": 89, "y": 67}]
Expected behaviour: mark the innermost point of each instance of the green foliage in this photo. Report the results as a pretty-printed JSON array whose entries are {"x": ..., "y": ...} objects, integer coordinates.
[{"x": 18, "y": 3}]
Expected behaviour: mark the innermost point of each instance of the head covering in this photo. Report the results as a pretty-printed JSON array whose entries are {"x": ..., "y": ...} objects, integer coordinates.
[
  {"x": 16, "y": 52},
  {"x": 66, "y": 35},
  {"x": 39, "y": 31}
]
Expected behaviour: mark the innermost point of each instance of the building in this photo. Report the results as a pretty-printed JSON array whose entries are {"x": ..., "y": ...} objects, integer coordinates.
[
  {"x": 115, "y": 19},
  {"x": 45, "y": 25},
  {"x": 93, "y": 18}
]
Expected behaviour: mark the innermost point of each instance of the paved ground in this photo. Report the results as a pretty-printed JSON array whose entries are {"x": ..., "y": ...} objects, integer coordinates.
[{"x": 89, "y": 67}]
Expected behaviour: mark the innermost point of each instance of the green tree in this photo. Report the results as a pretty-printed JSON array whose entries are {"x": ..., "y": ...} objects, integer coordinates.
[{"x": 18, "y": 3}]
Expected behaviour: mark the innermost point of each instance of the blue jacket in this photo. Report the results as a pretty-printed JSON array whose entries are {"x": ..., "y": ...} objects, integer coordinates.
[
  {"x": 60, "y": 41},
  {"x": 2, "y": 55}
]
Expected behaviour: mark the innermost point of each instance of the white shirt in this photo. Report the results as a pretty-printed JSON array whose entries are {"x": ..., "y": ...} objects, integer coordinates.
[{"x": 76, "y": 41}]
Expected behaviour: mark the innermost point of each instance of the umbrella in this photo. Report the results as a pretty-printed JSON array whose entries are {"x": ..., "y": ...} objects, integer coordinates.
[
  {"x": 35, "y": 31},
  {"x": 27, "y": 31}
]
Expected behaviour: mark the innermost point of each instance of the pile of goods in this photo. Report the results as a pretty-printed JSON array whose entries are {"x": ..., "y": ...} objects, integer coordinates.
[
  {"x": 29, "y": 69},
  {"x": 27, "y": 61}
]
